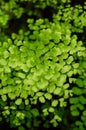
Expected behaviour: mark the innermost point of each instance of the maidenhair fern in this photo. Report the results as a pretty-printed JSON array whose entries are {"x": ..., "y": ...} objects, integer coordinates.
[{"x": 42, "y": 65}]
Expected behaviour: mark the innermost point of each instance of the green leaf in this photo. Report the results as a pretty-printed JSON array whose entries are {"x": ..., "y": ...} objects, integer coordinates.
[
  {"x": 70, "y": 73},
  {"x": 77, "y": 91},
  {"x": 66, "y": 86},
  {"x": 51, "y": 88},
  {"x": 66, "y": 68},
  {"x": 6, "y": 54},
  {"x": 34, "y": 89},
  {"x": 82, "y": 99},
  {"x": 26, "y": 102},
  {"x": 74, "y": 100},
  {"x": 58, "y": 118},
  {"x": 18, "y": 101},
  {"x": 22, "y": 106},
  {"x": 48, "y": 96},
  {"x": 80, "y": 106},
  {"x": 75, "y": 113},
  {"x": 1, "y": 119},
  {"x": 45, "y": 112},
  {"x": 57, "y": 91},
  {"x": 4, "y": 97},
  {"x": 54, "y": 103},
  {"x": 42, "y": 99},
  {"x": 73, "y": 107},
  {"x": 76, "y": 65},
  {"x": 20, "y": 115},
  {"x": 11, "y": 96},
  {"x": 84, "y": 113},
  {"x": 21, "y": 128},
  {"x": 79, "y": 82},
  {"x": 42, "y": 84},
  {"x": 55, "y": 52},
  {"x": 13, "y": 107},
  {"x": 61, "y": 80},
  {"x": 24, "y": 94},
  {"x": 51, "y": 109},
  {"x": 62, "y": 102},
  {"x": 3, "y": 62},
  {"x": 54, "y": 122},
  {"x": 39, "y": 22},
  {"x": 48, "y": 76},
  {"x": 21, "y": 75},
  {"x": 35, "y": 112},
  {"x": 78, "y": 123},
  {"x": 69, "y": 60},
  {"x": 38, "y": 94},
  {"x": 4, "y": 91},
  {"x": 56, "y": 36},
  {"x": 7, "y": 69},
  {"x": 6, "y": 112}
]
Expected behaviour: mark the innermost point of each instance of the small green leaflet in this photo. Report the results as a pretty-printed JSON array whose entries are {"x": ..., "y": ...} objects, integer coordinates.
[
  {"x": 39, "y": 22},
  {"x": 42, "y": 84},
  {"x": 1, "y": 119},
  {"x": 84, "y": 113},
  {"x": 66, "y": 68},
  {"x": 4, "y": 97},
  {"x": 7, "y": 69},
  {"x": 75, "y": 112},
  {"x": 3, "y": 62},
  {"x": 54, "y": 103},
  {"x": 78, "y": 123},
  {"x": 21, "y": 128},
  {"x": 38, "y": 94},
  {"x": 24, "y": 94},
  {"x": 18, "y": 101},
  {"x": 61, "y": 80},
  {"x": 62, "y": 102},
  {"x": 48, "y": 76},
  {"x": 51, "y": 109},
  {"x": 6, "y": 54},
  {"x": 13, "y": 107},
  {"x": 45, "y": 111},
  {"x": 57, "y": 91},
  {"x": 56, "y": 36},
  {"x": 42, "y": 99},
  {"x": 51, "y": 88},
  {"x": 77, "y": 91},
  {"x": 79, "y": 82},
  {"x": 11, "y": 96},
  {"x": 6, "y": 112},
  {"x": 58, "y": 118},
  {"x": 69, "y": 60},
  {"x": 24, "y": 67},
  {"x": 55, "y": 52},
  {"x": 35, "y": 112},
  {"x": 74, "y": 100},
  {"x": 80, "y": 106},
  {"x": 20, "y": 115},
  {"x": 70, "y": 73},
  {"x": 4, "y": 91},
  {"x": 48, "y": 96},
  {"x": 65, "y": 86},
  {"x": 21, "y": 75},
  {"x": 54, "y": 122},
  {"x": 73, "y": 107},
  {"x": 26, "y": 101},
  {"x": 75, "y": 65},
  {"x": 34, "y": 88},
  {"x": 82, "y": 99}
]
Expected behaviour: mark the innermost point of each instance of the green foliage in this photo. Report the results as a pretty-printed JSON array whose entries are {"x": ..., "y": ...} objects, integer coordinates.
[{"x": 42, "y": 64}]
